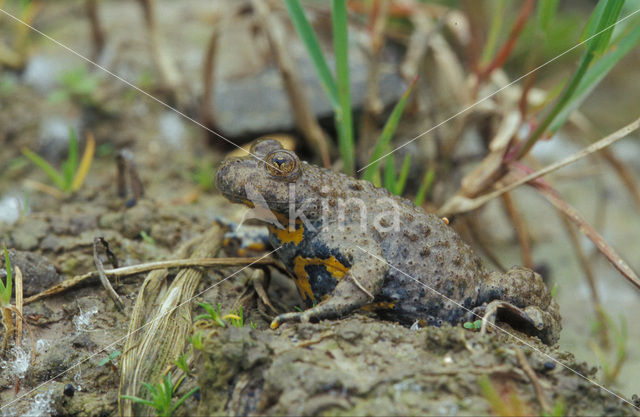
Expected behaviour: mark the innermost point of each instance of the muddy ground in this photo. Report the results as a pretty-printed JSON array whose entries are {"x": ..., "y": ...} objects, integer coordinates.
[{"x": 355, "y": 366}]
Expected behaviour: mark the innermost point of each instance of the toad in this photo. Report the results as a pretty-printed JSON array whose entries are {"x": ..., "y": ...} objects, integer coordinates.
[{"x": 350, "y": 245}]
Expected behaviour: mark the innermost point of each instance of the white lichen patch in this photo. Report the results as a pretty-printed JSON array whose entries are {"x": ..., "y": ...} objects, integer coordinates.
[
  {"x": 41, "y": 405},
  {"x": 83, "y": 320},
  {"x": 42, "y": 345},
  {"x": 18, "y": 362}
]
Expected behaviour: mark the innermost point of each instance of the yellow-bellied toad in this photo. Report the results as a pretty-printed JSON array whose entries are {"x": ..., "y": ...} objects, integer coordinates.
[{"x": 351, "y": 245}]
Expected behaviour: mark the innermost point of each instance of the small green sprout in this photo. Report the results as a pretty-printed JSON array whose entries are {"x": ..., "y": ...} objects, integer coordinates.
[
  {"x": 236, "y": 317},
  {"x": 161, "y": 396},
  {"x": 559, "y": 409},
  {"x": 77, "y": 84},
  {"x": 181, "y": 363},
  {"x": 6, "y": 308},
  {"x": 215, "y": 315},
  {"x": 72, "y": 174},
  {"x": 196, "y": 340},
  {"x": 203, "y": 175},
  {"x": 473, "y": 325},
  {"x": 145, "y": 236},
  {"x": 110, "y": 360},
  {"x": 554, "y": 290},
  {"x": 253, "y": 325},
  {"x": 6, "y": 288}
]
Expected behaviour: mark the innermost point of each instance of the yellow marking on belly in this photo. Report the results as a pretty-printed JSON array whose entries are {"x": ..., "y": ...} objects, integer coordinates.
[
  {"x": 287, "y": 236},
  {"x": 380, "y": 305},
  {"x": 334, "y": 267}
]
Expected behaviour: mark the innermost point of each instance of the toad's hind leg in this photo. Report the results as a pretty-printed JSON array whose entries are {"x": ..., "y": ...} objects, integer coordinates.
[
  {"x": 519, "y": 296},
  {"x": 354, "y": 290}
]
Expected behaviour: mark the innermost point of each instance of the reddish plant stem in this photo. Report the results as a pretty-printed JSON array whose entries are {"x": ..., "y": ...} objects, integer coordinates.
[{"x": 507, "y": 48}]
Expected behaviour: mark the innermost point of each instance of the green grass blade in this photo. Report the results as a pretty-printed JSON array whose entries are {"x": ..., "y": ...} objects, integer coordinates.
[
  {"x": 425, "y": 186},
  {"x": 390, "y": 174},
  {"x": 404, "y": 174},
  {"x": 609, "y": 13},
  {"x": 494, "y": 31},
  {"x": 53, "y": 174},
  {"x": 70, "y": 166},
  {"x": 597, "y": 72},
  {"x": 184, "y": 398},
  {"x": 546, "y": 12},
  {"x": 5, "y": 290},
  {"x": 387, "y": 133},
  {"x": 306, "y": 33},
  {"x": 138, "y": 400},
  {"x": 343, "y": 116},
  {"x": 594, "y": 18}
]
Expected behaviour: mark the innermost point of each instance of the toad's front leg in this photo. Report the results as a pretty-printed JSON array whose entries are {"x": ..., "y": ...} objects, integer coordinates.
[{"x": 356, "y": 288}]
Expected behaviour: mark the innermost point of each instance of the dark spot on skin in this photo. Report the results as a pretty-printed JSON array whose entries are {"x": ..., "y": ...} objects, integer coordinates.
[
  {"x": 355, "y": 186},
  {"x": 69, "y": 390},
  {"x": 413, "y": 237}
]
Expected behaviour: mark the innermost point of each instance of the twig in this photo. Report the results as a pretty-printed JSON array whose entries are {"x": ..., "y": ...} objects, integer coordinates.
[
  {"x": 623, "y": 171},
  {"x": 521, "y": 230},
  {"x": 258, "y": 282},
  {"x": 97, "y": 33},
  {"x": 460, "y": 204},
  {"x": 19, "y": 304},
  {"x": 105, "y": 282},
  {"x": 151, "y": 266},
  {"x": 169, "y": 74},
  {"x": 572, "y": 214},
  {"x": 126, "y": 167},
  {"x": 534, "y": 380},
  {"x": 373, "y": 105},
  {"x": 482, "y": 244},
  {"x": 44, "y": 188},
  {"x": 208, "y": 76},
  {"x": 588, "y": 272},
  {"x": 273, "y": 28}
]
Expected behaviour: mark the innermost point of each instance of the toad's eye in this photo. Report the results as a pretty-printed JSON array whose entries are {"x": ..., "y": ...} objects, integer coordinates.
[{"x": 283, "y": 163}]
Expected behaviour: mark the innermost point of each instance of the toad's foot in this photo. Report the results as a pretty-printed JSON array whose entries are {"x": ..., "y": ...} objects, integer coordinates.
[
  {"x": 532, "y": 320},
  {"x": 354, "y": 290}
]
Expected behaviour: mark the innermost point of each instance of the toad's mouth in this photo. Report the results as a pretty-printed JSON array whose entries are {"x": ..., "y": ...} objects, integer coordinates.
[{"x": 243, "y": 199}]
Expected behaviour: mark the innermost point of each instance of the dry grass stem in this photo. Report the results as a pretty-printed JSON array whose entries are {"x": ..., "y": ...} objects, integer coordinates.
[
  {"x": 373, "y": 105},
  {"x": 274, "y": 29},
  {"x": 103, "y": 278},
  {"x": 151, "y": 266},
  {"x": 591, "y": 280},
  {"x": 19, "y": 305},
  {"x": 521, "y": 230},
  {"x": 169, "y": 74},
  {"x": 534, "y": 380},
  {"x": 43, "y": 188},
  {"x": 207, "y": 110},
  {"x": 160, "y": 322},
  {"x": 97, "y": 32},
  {"x": 461, "y": 204},
  {"x": 572, "y": 214}
]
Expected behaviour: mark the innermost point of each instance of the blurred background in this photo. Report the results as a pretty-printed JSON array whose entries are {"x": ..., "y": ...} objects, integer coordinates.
[{"x": 180, "y": 84}]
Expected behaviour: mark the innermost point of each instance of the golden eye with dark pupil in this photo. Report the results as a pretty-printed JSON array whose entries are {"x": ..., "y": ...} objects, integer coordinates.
[{"x": 281, "y": 163}]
